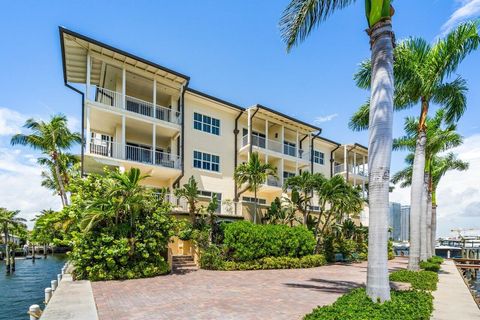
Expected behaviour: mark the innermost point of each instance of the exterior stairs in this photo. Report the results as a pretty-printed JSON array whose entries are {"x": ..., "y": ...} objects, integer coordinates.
[{"x": 183, "y": 264}]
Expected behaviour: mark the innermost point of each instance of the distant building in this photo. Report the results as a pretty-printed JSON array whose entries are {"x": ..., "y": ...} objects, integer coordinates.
[
  {"x": 394, "y": 220},
  {"x": 405, "y": 223}
]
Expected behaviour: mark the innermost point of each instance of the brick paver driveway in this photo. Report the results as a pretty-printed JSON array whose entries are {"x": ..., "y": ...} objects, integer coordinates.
[{"x": 264, "y": 294}]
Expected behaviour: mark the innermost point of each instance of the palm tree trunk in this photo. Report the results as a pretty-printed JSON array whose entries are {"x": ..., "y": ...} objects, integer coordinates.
[
  {"x": 60, "y": 180},
  {"x": 429, "y": 225},
  {"x": 255, "y": 207},
  {"x": 380, "y": 151},
  {"x": 423, "y": 220},
  {"x": 434, "y": 226}
]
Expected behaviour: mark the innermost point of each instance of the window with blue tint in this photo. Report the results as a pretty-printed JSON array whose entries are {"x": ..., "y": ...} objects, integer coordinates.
[
  {"x": 318, "y": 157},
  {"x": 206, "y": 161},
  {"x": 197, "y": 121},
  {"x": 206, "y": 124}
]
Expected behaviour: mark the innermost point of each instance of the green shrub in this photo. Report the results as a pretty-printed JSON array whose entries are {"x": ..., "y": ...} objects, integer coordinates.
[
  {"x": 436, "y": 259},
  {"x": 422, "y": 280},
  {"x": 245, "y": 241},
  {"x": 391, "y": 253},
  {"x": 211, "y": 258},
  {"x": 429, "y": 266},
  {"x": 266, "y": 263},
  {"x": 356, "y": 305}
]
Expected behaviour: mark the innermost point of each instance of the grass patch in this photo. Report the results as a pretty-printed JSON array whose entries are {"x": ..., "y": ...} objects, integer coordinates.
[
  {"x": 421, "y": 280},
  {"x": 356, "y": 305}
]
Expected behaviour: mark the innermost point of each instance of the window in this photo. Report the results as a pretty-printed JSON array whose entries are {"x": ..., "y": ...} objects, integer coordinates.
[
  {"x": 206, "y": 124},
  {"x": 252, "y": 200},
  {"x": 206, "y": 161},
  {"x": 287, "y": 174},
  {"x": 289, "y": 148},
  {"x": 318, "y": 157}
]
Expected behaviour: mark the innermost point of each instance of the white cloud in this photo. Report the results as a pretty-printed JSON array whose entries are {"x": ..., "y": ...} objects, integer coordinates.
[
  {"x": 326, "y": 118},
  {"x": 10, "y": 121},
  {"x": 458, "y": 195},
  {"x": 468, "y": 9}
]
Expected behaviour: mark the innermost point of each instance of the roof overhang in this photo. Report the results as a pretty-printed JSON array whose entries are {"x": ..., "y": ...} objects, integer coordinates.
[{"x": 74, "y": 57}]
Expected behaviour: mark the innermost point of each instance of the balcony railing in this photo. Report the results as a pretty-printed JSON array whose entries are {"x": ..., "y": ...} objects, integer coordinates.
[
  {"x": 340, "y": 168},
  {"x": 132, "y": 104},
  {"x": 181, "y": 205},
  {"x": 276, "y": 146},
  {"x": 273, "y": 182},
  {"x": 134, "y": 153}
]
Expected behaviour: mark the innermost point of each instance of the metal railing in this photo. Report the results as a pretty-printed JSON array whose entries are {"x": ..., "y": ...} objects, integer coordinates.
[
  {"x": 289, "y": 150},
  {"x": 132, "y": 104},
  {"x": 273, "y": 182},
  {"x": 340, "y": 168},
  {"x": 134, "y": 153}
]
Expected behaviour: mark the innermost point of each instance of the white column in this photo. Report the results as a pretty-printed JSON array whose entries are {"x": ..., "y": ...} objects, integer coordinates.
[
  {"x": 249, "y": 133},
  {"x": 345, "y": 160},
  {"x": 123, "y": 142},
  {"x": 89, "y": 134},
  {"x": 354, "y": 171},
  {"x": 87, "y": 89},
  {"x": 154, "y": 98},
  {"x": 282, "y": 140},
  {"x": 266, "y": 134},
  {"x": 363, "y": 179},
  {"x": 297, "y": 152},
  {"x": 124, "y": 87},
  {"x": 280, "y": 174},
  {"x": 154, "y": 146}
]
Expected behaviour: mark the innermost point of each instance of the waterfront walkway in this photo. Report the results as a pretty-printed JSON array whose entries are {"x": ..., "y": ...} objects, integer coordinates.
[
  {"x": 203, "y": 294},
  {"x": 452, "y": 298},
  {"x": 73, "y": 300}
]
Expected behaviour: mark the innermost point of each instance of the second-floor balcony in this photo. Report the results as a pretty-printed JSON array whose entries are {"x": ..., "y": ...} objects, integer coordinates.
[
  {"x": 119, "y": 101},
  {"x": 225, "y": 207},
  {"x": 133, "y": 153},
  {"x": 358, "y": 170},
  {"x": 276, "y": 146}
]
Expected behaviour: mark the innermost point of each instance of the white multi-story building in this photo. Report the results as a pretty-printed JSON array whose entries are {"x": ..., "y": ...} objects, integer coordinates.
[{"x": 136, "y": 113}]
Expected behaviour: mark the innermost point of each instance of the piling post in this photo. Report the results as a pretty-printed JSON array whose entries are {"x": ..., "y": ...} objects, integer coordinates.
[
  {"x": 48, "y": 294},
  {"x": 34, "y": 312},
  {"x": 59, "y": 278},
  {"x": 54, "y": 284}
]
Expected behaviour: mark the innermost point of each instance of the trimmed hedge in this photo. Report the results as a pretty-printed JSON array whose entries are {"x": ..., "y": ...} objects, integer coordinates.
[
  {"x": 429, "y": 266},
  {"x": 212, "y": 259},
  {"x": 436, "y": 259},
  {"x": 422, "y": 280},
  {"x": 356, "y": 305},
  {"x": 245, "y": 241}
]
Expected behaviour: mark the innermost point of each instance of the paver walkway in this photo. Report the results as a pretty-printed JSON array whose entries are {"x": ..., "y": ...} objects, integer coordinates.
[
  {"x": 452, "y": 298},
  {"x": 262, "y": 294},
  {"x": 73, "y": 300}
]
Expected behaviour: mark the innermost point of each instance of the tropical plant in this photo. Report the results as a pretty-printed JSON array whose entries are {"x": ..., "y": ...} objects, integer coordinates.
[
  {"x": 420, "y": 72},
  {"x": 9, "y": 220},
  {"x": 298, "y": 20},
  {"x": 52, "y": 139},
  {"x": 439, "y": 138},
  {"x": 49, "y": 179},
  {"x": 253, "y": 174},
  {"x": 302, "y": 187},
  {"x": 190, "y": 193}
]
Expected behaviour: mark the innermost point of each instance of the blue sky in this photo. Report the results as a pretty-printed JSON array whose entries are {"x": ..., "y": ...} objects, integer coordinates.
[{"x": 230, "y": 49}]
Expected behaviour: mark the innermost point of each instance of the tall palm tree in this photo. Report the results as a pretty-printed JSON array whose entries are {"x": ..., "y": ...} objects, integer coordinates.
[
  {"x": 253, "y": 173},
  {"x": 439, "y": 137},
  {"x": 420, "y": 72},
  {"x": 298, "y": 20},
  {"x": 190, "y": 193},
  {"x": 9, "y": 220},
  {"x": 302, "y": 187},
  {"x": 52, "y": 139}
]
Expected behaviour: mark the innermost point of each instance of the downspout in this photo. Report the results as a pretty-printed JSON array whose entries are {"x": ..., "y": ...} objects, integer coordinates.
[
  {"x": 250, "y": 147},
  {"x": 176, "y": 184},
  {"x": 332, "y": 160},
  {"x": 235, "y": 161},
  {"x": 311, "y": 149},
  {"x": 300, "y": 146}
]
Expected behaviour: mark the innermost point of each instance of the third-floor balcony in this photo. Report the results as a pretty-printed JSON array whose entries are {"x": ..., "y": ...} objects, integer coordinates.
[
  {"x": 117, "y": 100},
  {"x": 352, "y": 170},
  {"x": 276, "y": 146}
]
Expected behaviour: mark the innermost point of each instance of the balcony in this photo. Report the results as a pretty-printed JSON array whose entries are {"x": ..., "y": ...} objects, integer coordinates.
[
  {"x": 276, "y": 146},
  {"x": 340, "y": 169},
  {"x": 118, "y": 101},
  {"x": 134, "y": 153},
  {"x": 180, "y": 205}
]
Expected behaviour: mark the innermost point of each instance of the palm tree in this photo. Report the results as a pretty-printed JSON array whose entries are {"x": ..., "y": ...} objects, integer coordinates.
[
  {"x": 9, "y": 220},
  {"x": 302, "y": 187},
  {"x": 49, "y": 180},
  {"x": 190, "y": 193},
  {"x": 438, "y": 139},
  {"x": 298, "y": 20},
  {"x": 253, "y": 173},
  {"x": 52, "y": 139},
  {"x": 420, "y": 71}
]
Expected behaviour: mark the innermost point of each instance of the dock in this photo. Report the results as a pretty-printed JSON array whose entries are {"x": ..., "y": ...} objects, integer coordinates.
[{"x": 452, "y": 299}]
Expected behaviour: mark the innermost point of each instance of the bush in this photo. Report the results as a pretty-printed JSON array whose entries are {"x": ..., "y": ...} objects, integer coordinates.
[
  {"x": 356, "y": 305},
  {"x": 391, "y": 252},
  {"x": 211, "y": 258},
  {"x": 245, "y": 241},
  {"x": 436, "y": 259},
  {"x": 429, "y": 266},
  {"x": 421, "y": 280}
]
